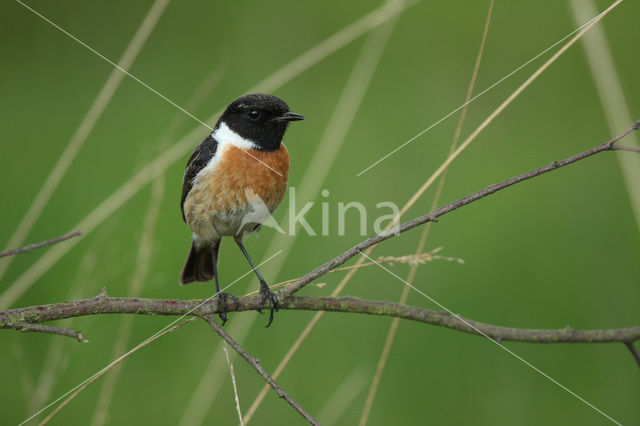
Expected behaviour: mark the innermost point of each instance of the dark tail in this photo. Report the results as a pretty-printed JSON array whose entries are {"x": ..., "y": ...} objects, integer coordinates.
[{"x": 199, "y": 265}]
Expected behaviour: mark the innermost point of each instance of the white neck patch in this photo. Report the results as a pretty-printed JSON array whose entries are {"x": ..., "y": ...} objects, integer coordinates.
[
  {"x": 224, "y": 135},
  {"x": 225, "y": 138}
]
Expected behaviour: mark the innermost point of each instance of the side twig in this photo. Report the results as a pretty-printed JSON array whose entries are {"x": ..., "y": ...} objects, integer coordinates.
[
  {"x": 625, "y": 148},
  {"x": 254, "y": 363},
  {"x": 31, "y": 247},
  {"x": 61, "y": 331},
  {"x": 634, "y": 351}
]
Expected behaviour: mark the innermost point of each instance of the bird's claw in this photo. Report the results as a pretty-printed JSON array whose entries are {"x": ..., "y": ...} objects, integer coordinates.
[
  {"x": 267, "y": 294},
  {"x": 223, "y": 305}
]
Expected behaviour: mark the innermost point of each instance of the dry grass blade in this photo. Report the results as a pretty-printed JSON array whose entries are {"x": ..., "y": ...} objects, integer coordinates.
[
  {"x": 138, "y": 278},
  {"x": 74, "y": 392},
  {"x": 611, "y": 92},
  {"x": 342, "y": 398},
  {"x": 445, "y": 165},
  {"x": 86, "y": 126},
  {"x": 235, "y": 386},
  {"x": 206, "y": 390},
  {"x": 332, "y": 139},
  {"x": 386, "y": 349},
  {"x": 410, "y": 259},
  {"x": 145, "y": 245},
  {"x": 55, "y": 353},
  {"x": 337, "y": 41}
]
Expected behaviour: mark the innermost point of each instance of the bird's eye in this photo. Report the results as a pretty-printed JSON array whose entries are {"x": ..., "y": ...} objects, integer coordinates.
[{"x": 254, "y": 115}]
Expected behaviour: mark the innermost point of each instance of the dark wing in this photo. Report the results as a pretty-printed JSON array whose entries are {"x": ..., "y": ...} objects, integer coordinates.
[{"x": 199, "y": 159}]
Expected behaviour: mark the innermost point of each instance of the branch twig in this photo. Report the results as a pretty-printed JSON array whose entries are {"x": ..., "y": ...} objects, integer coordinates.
[
  {"x": 435, "y": 214},
  {"x": 31, "y": 247},
  {"x": 634, "y": 351},
  {"x": 26, "y": 327},
  {"x": 625, "y": 148},
  {"x": 281, "y": 393},
  {"x": 104, "y": 304}
]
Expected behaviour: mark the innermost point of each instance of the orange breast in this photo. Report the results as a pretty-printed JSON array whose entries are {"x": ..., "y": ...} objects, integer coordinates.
[
  {"x": 222, "y": 192},
  {"x": 265, "y": 173},
  {"x": 217, "y": 204}
]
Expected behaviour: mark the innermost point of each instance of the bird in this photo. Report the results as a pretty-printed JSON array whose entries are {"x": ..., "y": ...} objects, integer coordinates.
[{"x": 238, "y": 169}]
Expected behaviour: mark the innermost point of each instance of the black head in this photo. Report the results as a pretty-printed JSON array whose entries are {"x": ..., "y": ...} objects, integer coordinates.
[{"x": 260, "y": 118}]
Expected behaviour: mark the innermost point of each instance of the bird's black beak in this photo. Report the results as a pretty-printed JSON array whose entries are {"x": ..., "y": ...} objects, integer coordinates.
[{"x": 290, "y": 116}]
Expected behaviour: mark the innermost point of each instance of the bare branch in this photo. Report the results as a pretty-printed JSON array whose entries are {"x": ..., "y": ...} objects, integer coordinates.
[
  {"x": 104, "y": 304},
  {"x": 31, "y": 247},
  {"x": 435, "y": 214},
  {"x": 254, "y": 363}
]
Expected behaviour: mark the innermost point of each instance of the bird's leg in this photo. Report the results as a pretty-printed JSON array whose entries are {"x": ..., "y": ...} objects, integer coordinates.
[
  {"x": 265, "y": 291},
  {"x": 222, "y": 297}
]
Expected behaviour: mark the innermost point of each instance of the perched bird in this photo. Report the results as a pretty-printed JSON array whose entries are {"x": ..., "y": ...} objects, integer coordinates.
[{"x": 241, "y": 166}]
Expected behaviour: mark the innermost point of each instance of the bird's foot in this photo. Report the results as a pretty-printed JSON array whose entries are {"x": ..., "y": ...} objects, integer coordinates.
[
  {"x": 223, "y": 304},
  {"x": 267, "y": 294}
]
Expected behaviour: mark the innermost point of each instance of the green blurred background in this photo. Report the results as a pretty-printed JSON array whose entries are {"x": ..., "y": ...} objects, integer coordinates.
[{"x": 560, "y": 250}]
